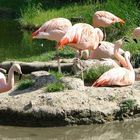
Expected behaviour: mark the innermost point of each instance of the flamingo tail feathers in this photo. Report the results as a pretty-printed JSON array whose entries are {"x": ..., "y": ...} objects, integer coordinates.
[
  {"x": 35, "y": 33},
  {"x": 100, "y": 83}
]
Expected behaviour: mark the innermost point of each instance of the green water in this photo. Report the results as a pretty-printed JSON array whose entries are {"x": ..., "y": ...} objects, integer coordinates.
[
  {"x": 117, "y": 131},
  {"x": 15, "y": 43}
]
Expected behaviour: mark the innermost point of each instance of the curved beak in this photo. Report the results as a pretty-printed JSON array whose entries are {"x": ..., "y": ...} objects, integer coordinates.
[
  {"x": 126, "y": 39},
  {"x": 20, "y": 76},
  {"x": 135, "y": 40}
]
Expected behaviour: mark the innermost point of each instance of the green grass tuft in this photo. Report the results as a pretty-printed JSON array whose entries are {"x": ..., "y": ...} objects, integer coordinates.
[
  {"x": 54, "y": 87},
  {"x": 93, "y": 74},
  {"x": 25, "y": 84}
]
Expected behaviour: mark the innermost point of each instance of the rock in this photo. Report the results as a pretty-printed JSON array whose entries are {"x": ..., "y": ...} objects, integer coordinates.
[
  {"x": 42, "y": 78},
  {"x": 73, "y": 83},
  {"x": 137, "y": 73},
  {"x": 80, "y": 65}
]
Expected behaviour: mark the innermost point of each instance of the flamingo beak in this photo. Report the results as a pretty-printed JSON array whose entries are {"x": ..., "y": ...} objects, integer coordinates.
[
  {"x": 20, "y": 76},
  {"x": 126, "y": 39},
  {"x": 135, "y": 40}
]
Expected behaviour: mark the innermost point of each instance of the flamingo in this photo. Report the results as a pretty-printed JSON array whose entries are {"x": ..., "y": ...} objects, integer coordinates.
[
  {"x": 105, "y": 49},
  {"x": 105, "y": 19},
  {"x": 53, "y": 29},
  {"x": 10, "y": 83},
  {"x": 136, "y": 34},
  {"x": 82, "y": 36},
  {"x": 118, "y": 76}
]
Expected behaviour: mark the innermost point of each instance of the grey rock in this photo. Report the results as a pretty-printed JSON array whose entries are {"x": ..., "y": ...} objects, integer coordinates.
[
  {"x": 73, "y": 83},
  {"x": 42, "y": 78}
]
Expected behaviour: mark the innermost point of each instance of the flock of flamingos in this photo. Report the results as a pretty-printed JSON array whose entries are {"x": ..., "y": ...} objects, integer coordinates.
[{"x": 88, "y": 41}]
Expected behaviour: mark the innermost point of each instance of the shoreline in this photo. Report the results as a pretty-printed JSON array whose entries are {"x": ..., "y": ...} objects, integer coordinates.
[{"x": 35, "y": 107}]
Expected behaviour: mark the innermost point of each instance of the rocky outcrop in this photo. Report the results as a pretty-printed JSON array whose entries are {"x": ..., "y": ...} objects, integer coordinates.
[{"x": 93, "y": 105}]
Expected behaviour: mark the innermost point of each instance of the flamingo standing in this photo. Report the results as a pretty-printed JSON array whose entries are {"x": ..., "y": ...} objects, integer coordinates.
[
  {"x": 136, "y": 34},
  {"x": 53, "y": 29},
  {"x": 119, "y": 76},
  {"x": 6, "y": 86},
  {"x": 105, "y": 19},
  {"x": 81, "y": 36}
]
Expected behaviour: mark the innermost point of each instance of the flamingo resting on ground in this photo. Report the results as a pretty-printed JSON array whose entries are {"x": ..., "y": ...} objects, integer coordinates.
[
  {"x": 105, "y": 19},
  {"x": 118, "y": 76},
  {"x": 104, "y": 50},
  {"x": 6, "y": 86},
  {"x": 136, "y": 34},
  {"x": 82, "y": 36},
  {"x": 53, "y": 29}
]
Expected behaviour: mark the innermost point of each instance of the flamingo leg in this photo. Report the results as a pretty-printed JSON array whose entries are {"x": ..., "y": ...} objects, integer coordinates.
[{"x": 58, "y": 59}]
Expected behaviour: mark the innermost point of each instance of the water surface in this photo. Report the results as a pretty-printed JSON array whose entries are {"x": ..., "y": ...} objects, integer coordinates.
[{"x": 116, "y": 131}]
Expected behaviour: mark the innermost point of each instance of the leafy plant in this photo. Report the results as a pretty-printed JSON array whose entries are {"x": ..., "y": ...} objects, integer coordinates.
[
  {"x": 25, "y": 84},
  {"x": 93, "y": 74},
  {"x": 127, "y": 105},
  {"x": 53, "y": 87}
]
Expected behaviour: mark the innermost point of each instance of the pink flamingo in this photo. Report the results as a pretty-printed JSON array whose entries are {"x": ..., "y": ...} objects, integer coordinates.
[
  {"x": 6, "y": 86},
  {"x": 82, "y": 36},
  {"x": 53, "y": 29},
  {"x": 136, "y": 34},
  {"x": 105, "y": 19},
  {"x": 119, "y": 76},
  {"x": 104, "y": 50}
]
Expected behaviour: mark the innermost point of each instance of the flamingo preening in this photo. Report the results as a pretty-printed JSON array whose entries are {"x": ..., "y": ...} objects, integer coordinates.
[
  {"x": 6, "y": 86},
  {"x": 53, "y": 29},
  {"x": 118, "y": 76},
  {"x": 82, "y": 36}
]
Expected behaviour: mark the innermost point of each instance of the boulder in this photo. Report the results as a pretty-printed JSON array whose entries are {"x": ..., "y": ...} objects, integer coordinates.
[{"x": 73, "y": 83}]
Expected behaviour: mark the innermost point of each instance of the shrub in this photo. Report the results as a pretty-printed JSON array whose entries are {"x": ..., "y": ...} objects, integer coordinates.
[
  {"x": 53, "y": 87},
  {"x": 93, "y": 74},
  {"x": 25, "y": 84}
]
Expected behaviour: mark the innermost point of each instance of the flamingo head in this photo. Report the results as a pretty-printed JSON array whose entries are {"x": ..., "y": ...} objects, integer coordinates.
[
  {"x": 17, "y": 68},
  {"x": 63, "y": 42}
]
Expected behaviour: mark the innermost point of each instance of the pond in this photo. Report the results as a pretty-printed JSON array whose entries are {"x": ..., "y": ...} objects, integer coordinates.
[
  {"x": 15, "y": 43},
  {"x": 116, "y": 131}
]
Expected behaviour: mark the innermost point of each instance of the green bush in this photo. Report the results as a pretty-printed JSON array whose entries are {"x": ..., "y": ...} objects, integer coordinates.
[
  {"x": 25, "y": 84},
  {"x": 53, "y": 87},
  {"x": 93, "y": 74}
]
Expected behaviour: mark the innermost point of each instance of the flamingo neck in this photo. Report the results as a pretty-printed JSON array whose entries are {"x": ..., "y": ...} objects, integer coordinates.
[
  {"x": 129, "y": 65},
  {"x": 11, "y": 80},
  {"x": 120, "y": 58}
]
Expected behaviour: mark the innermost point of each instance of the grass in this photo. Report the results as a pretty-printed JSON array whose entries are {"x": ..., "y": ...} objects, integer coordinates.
[
  {"x": 54, "y": 87},
  {"x": 93, "y": 74},
  {"x": 37, "y": 15},
  {"x": 25, "y": 84}
]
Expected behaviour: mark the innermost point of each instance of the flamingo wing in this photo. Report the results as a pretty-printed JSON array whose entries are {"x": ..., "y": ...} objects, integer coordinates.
[{"x": 112, "y": 77}]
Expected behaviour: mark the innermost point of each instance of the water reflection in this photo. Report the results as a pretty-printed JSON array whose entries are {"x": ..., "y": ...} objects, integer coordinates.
[
  {"x": 117, "y": 131},
  {"x": 16, "y": 43}
]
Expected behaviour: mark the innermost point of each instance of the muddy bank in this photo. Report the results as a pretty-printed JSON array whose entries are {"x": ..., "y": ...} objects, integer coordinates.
[{"x": 35, "y": 107}]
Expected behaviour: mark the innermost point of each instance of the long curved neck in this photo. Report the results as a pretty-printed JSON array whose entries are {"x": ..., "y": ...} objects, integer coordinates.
[
  {"x": 10, "y": 82},
  {"x": 120, "y": 58},
  {"x": 129, "y": 65}
]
